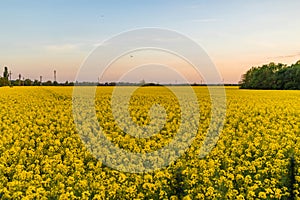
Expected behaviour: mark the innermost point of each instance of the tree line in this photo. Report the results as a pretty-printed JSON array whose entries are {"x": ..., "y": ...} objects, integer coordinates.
[
  {"x": 272, "y": 76},
  {"x": 7, "y": 81}
]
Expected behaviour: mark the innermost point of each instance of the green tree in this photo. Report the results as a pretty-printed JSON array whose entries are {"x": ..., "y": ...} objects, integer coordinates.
[
  {"x": 27, "y": 82},
  {"x": 4, "y": 80},
  {"x": 5, "y": 73},
  {"x": 36, "y": 82},
  {"x": 47, "y": 83},
  {"x": 272, "y": 76}
]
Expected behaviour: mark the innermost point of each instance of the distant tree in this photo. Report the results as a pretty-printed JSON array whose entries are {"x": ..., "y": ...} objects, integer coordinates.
[
  {"x": 36, "y": 82},
  {"x": 71, "y": 84},
  {"x": 4, "y": 80},
  {"x": 5, "y": 73},
  {"x": 1, "y": 81},
  {"x": 67, "y": 83},
  {"x": 272, "y": 76},
  {"x": 14, "y": 83},
  {"x": 27, "y": 82},
  {"x": 47, "y": 83},
  {"x": 151, "y": 84}
]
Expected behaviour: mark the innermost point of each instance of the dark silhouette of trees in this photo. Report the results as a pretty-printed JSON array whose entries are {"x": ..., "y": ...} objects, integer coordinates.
[
  {"x": 27, "y": 82},
  {"x": 47, "y": 83},
  {"x": 4, "y": 80},
  {"x": 36, "y": 83},
  {"x": 272, "y": 76},
  {"x": 5, "y": 73}
]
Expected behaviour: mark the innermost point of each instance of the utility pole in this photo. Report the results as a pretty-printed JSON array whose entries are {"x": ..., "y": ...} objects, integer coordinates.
[{"x": 41, "y": 79}]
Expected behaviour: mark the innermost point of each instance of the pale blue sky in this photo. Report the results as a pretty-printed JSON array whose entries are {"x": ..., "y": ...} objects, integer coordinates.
[{"x": 37, "y": 37}]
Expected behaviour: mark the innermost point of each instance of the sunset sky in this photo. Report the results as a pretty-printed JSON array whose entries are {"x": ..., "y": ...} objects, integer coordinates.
[{"x": 37, "y": 37}]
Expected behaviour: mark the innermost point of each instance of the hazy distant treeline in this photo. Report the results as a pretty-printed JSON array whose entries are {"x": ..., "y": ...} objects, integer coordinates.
[
  {"x": 6, "y": 80},
  {"x": 28, "y": 82}
]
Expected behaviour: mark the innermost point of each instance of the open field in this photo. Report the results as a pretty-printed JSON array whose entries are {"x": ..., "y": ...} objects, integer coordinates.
[{"x": 256, "y": 156}]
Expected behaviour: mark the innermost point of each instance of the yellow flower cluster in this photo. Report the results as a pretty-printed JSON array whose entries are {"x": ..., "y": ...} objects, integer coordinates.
[{"x": 43, "y": 157}]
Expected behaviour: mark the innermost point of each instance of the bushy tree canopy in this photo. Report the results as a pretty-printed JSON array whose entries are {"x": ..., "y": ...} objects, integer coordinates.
[{"x": 272, "y": 76}]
